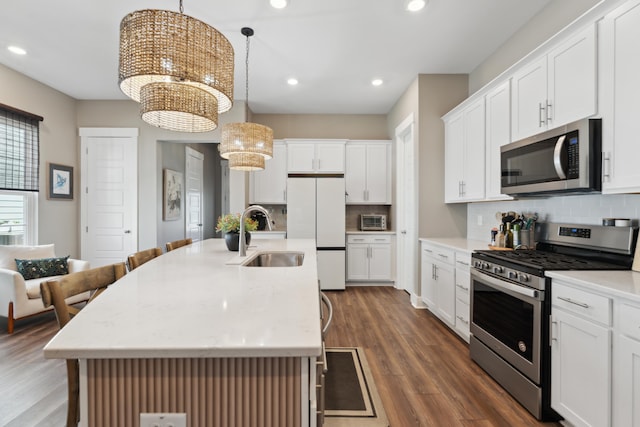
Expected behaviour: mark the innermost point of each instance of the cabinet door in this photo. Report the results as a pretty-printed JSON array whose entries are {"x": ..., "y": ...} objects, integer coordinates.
[
  {"x": 270, "y": 185},
  {"x": 378, "y": 173},
  {"x": 498, "y": 133},
  {"x": 620, "y": 94},
  {"x": 301, "y": 157},
  {"x": 581, "y": 370},
  {"x": 355, "y": 175},
  {"x": 474, "y": 151},
  {"x": 445, "y": 293},
  {"x": 329, "y": 157},
  {"x": 427, "y": 280},
  {"x": 453, "y": 158},
  {"x": 571, "y": 79},
  {"x": 380, "y": 261},
  {"x": 626, "y": 382},
  {"x": 528, "y": 100},
  {"x": 357, "y": 261}
]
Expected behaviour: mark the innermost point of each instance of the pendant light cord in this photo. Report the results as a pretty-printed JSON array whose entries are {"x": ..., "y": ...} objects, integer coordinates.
[
  {"x": 246, "y": 65},
  {"x": 181, "y": 8}
]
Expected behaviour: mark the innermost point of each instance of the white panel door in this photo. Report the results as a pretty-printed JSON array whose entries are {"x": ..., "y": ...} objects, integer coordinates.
[
  {"x": 529, "y": 99},
  {"x": 301, "y": 208},
  {"x": 498, "y": 133},
  {"x": 331, "y": 269},
  {"x": 378, "y": 173},
  {"x": 194, "y": 194},
  {"x": 356, "y": 172},
  {"x": 330, "y": 213},
  {"x": 406, "y": 185},
  {"x": 109, "y": 193}
]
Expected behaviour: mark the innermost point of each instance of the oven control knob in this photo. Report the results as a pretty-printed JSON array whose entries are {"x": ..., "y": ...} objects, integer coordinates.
[
  {"x": 498, "y": 270},
  {"x": 513, "y": 275},
  {"x": 477, "y": 264},
  {"x": 486, "y": 266},
  {"x": 523, "y": 277}
]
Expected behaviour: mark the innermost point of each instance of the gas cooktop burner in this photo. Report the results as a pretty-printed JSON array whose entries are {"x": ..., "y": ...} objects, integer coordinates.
[{"x": 551, "y": 260}]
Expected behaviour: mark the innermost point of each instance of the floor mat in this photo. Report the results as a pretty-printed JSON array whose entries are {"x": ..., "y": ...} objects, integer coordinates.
[{"x": 351, "y": 398}]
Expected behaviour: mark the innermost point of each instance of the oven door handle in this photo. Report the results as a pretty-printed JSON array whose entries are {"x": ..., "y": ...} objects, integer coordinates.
[{"x": 501, "y": 284}]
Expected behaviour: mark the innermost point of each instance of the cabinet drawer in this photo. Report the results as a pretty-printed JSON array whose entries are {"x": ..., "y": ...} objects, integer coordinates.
[
  {"x": 368, "y": 238},
  {"x": 462, "y": 316},
  {"x": 463, "y": 261},
  {"x": 439, "y": 253},
  {"x": 629, "y": 319},
  {"x": 462, "y": 292},
  {"x": 587, "y": 304}
]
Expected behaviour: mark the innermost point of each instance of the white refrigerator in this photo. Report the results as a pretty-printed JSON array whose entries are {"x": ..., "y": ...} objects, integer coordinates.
[{"x": 316, "y": 210}]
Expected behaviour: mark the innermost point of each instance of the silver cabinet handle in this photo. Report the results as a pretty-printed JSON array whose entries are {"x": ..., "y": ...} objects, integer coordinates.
[
  {"x": 443, "y": 256},
  {"x": 541, "y": 122},
  {"x": 549, "y": 118},
  {"x": 426, "y": 250},
  {"x": 462, "y": 287},
  {"x": 570, "y": 301},
  {"x": 606, "y": 166},
  {"x": 466, "y": 322}
]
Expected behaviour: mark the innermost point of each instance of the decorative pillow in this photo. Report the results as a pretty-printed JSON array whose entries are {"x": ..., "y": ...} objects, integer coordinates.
[{"x": 43, "y": 267}]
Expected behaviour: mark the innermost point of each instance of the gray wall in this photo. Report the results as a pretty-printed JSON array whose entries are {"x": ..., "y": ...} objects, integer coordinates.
[
  {"x": 554, "y": 17},
  {"x": 336, "y": 126},
  {"x": 58, "y": 219}
]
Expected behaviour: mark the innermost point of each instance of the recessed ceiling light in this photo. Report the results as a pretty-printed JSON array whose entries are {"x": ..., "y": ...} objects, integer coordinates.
[
  {"x": 279, "y": 4},
  {"x": 376, "y": 82},
  {"x": 415, "y": 5},
  {"x": 17, "y": 50},
  {"x": 292, "y": 81}
]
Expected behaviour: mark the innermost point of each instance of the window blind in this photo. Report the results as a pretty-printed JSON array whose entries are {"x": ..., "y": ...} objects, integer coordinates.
[{"x": 19, "y": 149}]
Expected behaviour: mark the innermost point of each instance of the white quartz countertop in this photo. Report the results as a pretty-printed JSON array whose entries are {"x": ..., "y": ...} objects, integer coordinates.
[
  {"x": 624, "y": 284},
  {"x": 370, "y": 232},
  {"x": 458, "y": 243},
  {"x": 197, "y": 301}
]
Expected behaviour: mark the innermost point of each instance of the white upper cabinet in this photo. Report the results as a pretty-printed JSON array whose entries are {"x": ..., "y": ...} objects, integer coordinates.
[
  {"x": 498, "y": 133},
  {"x": 620, "y": 94},
  {"x": 368, "y": 172},
  {"x": 315, "y": 156},
  {"x": 465, "y": 154},
  {"x": 269, "y": 186},
  {"x": 557, "y": 88}
]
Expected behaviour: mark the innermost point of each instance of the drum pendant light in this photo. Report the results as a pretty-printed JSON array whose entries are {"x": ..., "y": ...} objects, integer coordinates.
[
  {"x": 247, "y": 145},
  {"x": 179, "y": 69}
]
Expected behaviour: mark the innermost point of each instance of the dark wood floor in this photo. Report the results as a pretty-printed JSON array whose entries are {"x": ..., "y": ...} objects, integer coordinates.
[{"x": 422, "y": 369}]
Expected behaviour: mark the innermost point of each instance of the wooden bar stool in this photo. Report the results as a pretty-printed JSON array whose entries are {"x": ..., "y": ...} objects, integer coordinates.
[
  {"x": 178, "y": 244},
  {"x": 137, "y": 259}
]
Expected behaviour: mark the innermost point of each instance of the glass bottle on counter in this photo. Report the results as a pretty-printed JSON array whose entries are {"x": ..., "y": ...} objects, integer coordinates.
[
  {"x": 508, "y": 236},
  {"x": 500, "y": 238}
]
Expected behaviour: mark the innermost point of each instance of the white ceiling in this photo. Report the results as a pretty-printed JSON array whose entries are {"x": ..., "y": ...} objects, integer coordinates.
[{"x": 333, "y": 47}]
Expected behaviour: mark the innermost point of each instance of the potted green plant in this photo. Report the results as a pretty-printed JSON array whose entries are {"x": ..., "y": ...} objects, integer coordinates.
[{"x": 229, "y": 224}]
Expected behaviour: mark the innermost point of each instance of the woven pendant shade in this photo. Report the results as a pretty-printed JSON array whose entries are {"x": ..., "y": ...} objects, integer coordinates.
[
  {"x": 238, "y": 138},
  {"x": 246, "y": 162},
  {"x": 164, "y": 47},
  {"x": 178, "y": 107}
]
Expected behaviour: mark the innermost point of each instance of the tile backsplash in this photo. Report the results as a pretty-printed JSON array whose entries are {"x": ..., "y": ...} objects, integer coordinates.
[{"x": 586, "y": 209}]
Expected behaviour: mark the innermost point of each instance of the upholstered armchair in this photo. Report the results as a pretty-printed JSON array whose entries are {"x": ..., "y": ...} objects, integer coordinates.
[{"x": 20, "y": 297}]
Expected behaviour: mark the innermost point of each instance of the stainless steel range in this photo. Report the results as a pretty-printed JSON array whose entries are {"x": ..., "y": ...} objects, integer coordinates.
[{"x": 511, "y": 303}]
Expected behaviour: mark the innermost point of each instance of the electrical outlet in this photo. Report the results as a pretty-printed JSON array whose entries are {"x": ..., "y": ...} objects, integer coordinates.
[
  {"x": 163, "y": 420},
  {"x": 479, "y": 219}
]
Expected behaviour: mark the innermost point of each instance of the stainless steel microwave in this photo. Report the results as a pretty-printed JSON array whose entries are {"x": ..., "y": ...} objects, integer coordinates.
[
  {"x": 562, "y": 160},
  {"x": 373, "y": 222}
]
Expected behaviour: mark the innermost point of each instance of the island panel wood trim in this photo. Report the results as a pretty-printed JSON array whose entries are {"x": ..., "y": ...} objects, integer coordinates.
[{"x": 212, "y": 392}]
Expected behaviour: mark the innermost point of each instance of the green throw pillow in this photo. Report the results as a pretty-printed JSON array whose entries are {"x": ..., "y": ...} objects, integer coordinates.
[{"x": 44, "y": 267}]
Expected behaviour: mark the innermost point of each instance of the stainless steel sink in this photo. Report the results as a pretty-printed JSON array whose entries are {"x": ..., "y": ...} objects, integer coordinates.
[{"x": 275, "y": 259}]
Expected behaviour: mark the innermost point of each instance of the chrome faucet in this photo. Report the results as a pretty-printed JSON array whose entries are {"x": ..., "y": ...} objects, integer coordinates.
[{"x": 242, "y": 248}]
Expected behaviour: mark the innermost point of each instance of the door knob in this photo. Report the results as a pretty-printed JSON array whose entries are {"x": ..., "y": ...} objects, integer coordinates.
[{"x": 127, "y": 231}]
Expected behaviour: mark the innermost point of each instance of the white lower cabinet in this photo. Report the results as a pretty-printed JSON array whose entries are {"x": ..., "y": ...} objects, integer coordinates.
[
  {"x": 463, "y": 279},
  {"x": 369, "y": 257},
  {"x": 626, "y": 366},
  {"x": 581, "y": 356},
  {"x": 438, "y": 282}
]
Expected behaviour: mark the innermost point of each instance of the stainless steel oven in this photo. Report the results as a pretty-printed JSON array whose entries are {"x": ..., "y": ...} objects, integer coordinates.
[
  {"x": 507, "y": 317},
  {"x": 511, "y": 303}
]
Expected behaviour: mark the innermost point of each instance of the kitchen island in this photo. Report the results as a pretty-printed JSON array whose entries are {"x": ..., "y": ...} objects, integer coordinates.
[{"x": 195, "y": 332}]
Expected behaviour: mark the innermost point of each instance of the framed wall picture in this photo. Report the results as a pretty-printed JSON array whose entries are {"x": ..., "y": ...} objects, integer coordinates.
[
  {"x": 60, "y": 182},
  {"x": 172, "y": 195}
]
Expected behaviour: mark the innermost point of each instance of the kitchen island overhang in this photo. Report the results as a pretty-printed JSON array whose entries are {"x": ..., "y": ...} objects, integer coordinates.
[{"x": 193, "y": 329}]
